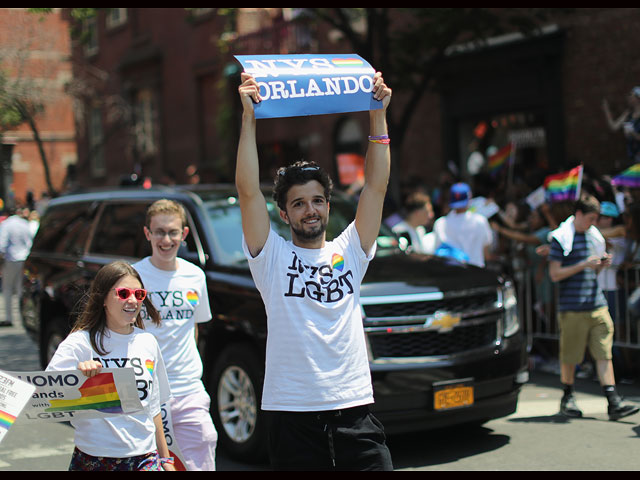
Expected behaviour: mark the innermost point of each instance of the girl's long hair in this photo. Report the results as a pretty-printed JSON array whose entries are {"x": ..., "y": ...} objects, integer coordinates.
[{"x": 93, "y": 317}]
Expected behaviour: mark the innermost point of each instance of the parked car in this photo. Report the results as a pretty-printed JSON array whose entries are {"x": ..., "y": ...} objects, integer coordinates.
[{"x": 444, "y": 340}]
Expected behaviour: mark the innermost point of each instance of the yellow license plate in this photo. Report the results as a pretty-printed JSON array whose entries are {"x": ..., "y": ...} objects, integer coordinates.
[{"x": 453, "y": 397}]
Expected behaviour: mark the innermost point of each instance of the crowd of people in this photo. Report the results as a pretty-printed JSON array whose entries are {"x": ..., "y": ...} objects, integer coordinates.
[{"x": 584, "y": 247}]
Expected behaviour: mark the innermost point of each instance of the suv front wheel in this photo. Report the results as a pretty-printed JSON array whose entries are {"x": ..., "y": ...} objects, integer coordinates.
[
  {"x": 236, "y": 386},
  {"x": 54, "y": 333}
]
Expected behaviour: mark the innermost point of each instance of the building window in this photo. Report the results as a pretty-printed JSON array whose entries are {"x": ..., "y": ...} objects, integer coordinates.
[
  {"x": 90, "y": 36},
  {"x": 116, "y": 17},
  {"x": 96, "y": 143},
  {"x": 145, "y": 122}
]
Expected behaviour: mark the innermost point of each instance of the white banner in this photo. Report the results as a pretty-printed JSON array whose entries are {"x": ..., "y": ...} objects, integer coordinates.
[
  {"x": 170, "y": 437},
  {"x": 14, "y": 394},
  {"x": 66, "y": 395}
]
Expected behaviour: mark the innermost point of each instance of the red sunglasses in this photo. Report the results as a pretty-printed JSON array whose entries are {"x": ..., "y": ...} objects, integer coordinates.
[{"x": 124, "y": 293}]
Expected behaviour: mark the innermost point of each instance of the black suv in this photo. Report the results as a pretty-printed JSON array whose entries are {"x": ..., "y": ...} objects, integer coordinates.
[{"x": 445, "y": 344}]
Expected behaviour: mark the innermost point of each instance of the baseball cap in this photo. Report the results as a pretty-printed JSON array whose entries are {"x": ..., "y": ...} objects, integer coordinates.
[
  {"x": 608, "y": 209},
  {"x": 460, "y": 195}
]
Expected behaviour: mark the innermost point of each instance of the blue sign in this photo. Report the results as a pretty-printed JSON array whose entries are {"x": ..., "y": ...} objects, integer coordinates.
[{"x": 298, "y": 85}]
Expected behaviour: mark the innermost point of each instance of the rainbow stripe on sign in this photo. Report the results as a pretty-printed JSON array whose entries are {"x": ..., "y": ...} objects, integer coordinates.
[
  {"x": 97, "y": 393},
  {"x": 6, "y": 420},
  {"x": 564, "y": 186},
  {"x": 347, "y": 62}
]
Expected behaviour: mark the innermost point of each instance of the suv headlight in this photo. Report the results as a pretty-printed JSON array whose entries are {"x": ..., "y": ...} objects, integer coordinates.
[{"x": 510, "y": 304}]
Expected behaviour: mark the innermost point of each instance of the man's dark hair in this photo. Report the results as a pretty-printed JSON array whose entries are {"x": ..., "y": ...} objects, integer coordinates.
[
  {"x": 588, "y": 204},
  {"x": 299, "y": 173},
  {"x": 416, "y": 201}
]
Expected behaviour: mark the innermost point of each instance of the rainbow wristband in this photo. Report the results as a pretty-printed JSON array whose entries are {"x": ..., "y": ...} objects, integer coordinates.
[
  {"x": 168, "y": 460},
  {"x": 383, "y": 139}
]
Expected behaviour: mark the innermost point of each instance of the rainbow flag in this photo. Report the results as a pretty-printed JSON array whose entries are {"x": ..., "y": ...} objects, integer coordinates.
[
  {"x": 6, "y": 420},
  {"x": 97, "y": 393},
  {"x": 501, "y": 158},
  {"x": 563, "y": 186},
  {"x": 629, "y": 178}
]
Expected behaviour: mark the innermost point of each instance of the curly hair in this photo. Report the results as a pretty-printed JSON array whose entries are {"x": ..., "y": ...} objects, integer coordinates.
[{"x": 299, "y": 173}]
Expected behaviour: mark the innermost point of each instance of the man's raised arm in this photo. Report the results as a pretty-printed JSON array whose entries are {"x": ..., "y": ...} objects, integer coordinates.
[
  {"x": 376, "y": 170},
  {"x": 255, "y": 217}
]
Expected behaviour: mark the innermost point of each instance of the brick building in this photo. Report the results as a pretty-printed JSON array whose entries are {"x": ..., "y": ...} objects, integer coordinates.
[
  {"x": 158, "y": 102},
  {"x": 35, "y": 53}
]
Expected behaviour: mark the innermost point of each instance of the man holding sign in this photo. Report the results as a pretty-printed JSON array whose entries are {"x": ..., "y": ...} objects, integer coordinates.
[{"x": 317, "y": 380}]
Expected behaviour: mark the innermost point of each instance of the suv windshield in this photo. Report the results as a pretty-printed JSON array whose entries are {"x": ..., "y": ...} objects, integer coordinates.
[{"x": 224, "y": 216}]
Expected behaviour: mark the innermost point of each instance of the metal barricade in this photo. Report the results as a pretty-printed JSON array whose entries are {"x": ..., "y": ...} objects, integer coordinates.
[{"x": 539, "y": 314}]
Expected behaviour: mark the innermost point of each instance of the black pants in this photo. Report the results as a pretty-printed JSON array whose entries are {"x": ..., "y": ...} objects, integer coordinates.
[{"x": 349, "y": 439}]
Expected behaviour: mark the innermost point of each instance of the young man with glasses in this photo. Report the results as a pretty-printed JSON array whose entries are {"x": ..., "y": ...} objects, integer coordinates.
[
  {"x": 178, "y": 290},
  {"x": 317, "y": 384}
]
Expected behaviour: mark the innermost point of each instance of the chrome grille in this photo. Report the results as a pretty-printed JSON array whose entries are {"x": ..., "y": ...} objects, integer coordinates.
[
  {"x": 478, "y": 302},
  {"x": 402, "y": 329},
  {"x": 432, "y": 343}
]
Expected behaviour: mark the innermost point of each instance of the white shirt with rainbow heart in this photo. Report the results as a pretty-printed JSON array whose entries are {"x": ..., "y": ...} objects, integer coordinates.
[
  {"x": 181, "y": 298},
  {"x": 316, "y": 351}
]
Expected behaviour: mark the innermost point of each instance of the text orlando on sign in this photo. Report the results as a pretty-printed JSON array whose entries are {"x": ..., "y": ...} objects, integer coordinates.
[{"x": 297, "y": 85}]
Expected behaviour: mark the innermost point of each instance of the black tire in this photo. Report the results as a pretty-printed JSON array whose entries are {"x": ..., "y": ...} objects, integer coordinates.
[
  {"x": 54, "y": 333},
  {"x": 236, "y": 390}
]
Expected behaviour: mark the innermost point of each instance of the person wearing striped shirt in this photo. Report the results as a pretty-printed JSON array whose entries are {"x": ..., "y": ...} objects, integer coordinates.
[{"x": 576, "y": 257}]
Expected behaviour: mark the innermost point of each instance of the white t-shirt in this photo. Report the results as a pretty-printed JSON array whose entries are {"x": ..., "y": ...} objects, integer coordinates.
[
  {"x": 124, "y": 435},
  {"x": 467, "y": 231},
  {"x": 181, "y": 298},
  {"x": 316, "y": 351}
]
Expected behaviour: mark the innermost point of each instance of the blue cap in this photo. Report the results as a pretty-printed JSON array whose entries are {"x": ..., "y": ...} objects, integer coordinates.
[
  {"x": 460, "y": 195},
  {"x": 609, "y": 209}
]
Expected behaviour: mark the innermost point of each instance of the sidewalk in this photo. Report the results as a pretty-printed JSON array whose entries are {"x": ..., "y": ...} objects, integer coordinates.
[{"x": 17, "y": 351}]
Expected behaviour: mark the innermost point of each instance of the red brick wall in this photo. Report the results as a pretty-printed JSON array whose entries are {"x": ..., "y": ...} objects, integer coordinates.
[{"x": 47, "y": 38}]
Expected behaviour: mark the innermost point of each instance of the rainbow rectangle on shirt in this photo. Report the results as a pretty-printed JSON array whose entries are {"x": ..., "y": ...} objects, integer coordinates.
[
  {"x": 192, "y": 298},
  {"x": 337, "y": 262},
  {"x": 629, "y": 178},
  {"x": 97, "y": 393},
  {"x": 150, "y": 364},
  {"x": 6, "y": 420},
  {"x": 564, "y": 186}
]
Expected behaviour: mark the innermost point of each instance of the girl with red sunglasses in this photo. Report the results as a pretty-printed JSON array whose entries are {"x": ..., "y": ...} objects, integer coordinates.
[{"x": 109, "y": 333}]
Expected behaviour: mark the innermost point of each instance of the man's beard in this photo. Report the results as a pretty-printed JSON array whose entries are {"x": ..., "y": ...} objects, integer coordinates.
[{"x": 312, "y": 234}]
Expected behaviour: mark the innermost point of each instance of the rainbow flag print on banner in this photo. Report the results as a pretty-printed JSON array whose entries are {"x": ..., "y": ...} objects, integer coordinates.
[
  {"x": 500, "y": 159},
  {"x": 14, "y": 394},
  {"x": 63, "y": 395},
  {"x": 6, "y": 420},
  {"x": 629, "y": 178},
  {"x": 97, "y": 393},
  {"x": 563, "y": 186}
]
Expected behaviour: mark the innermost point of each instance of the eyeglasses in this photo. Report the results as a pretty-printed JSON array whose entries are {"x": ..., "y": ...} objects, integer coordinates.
[
  {"x": 125, "y": 293},
  {"x": 173, "y": 234}
]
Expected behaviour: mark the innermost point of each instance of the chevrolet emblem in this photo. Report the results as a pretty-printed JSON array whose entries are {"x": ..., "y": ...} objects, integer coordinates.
[{"x": 444, "y": 320}]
